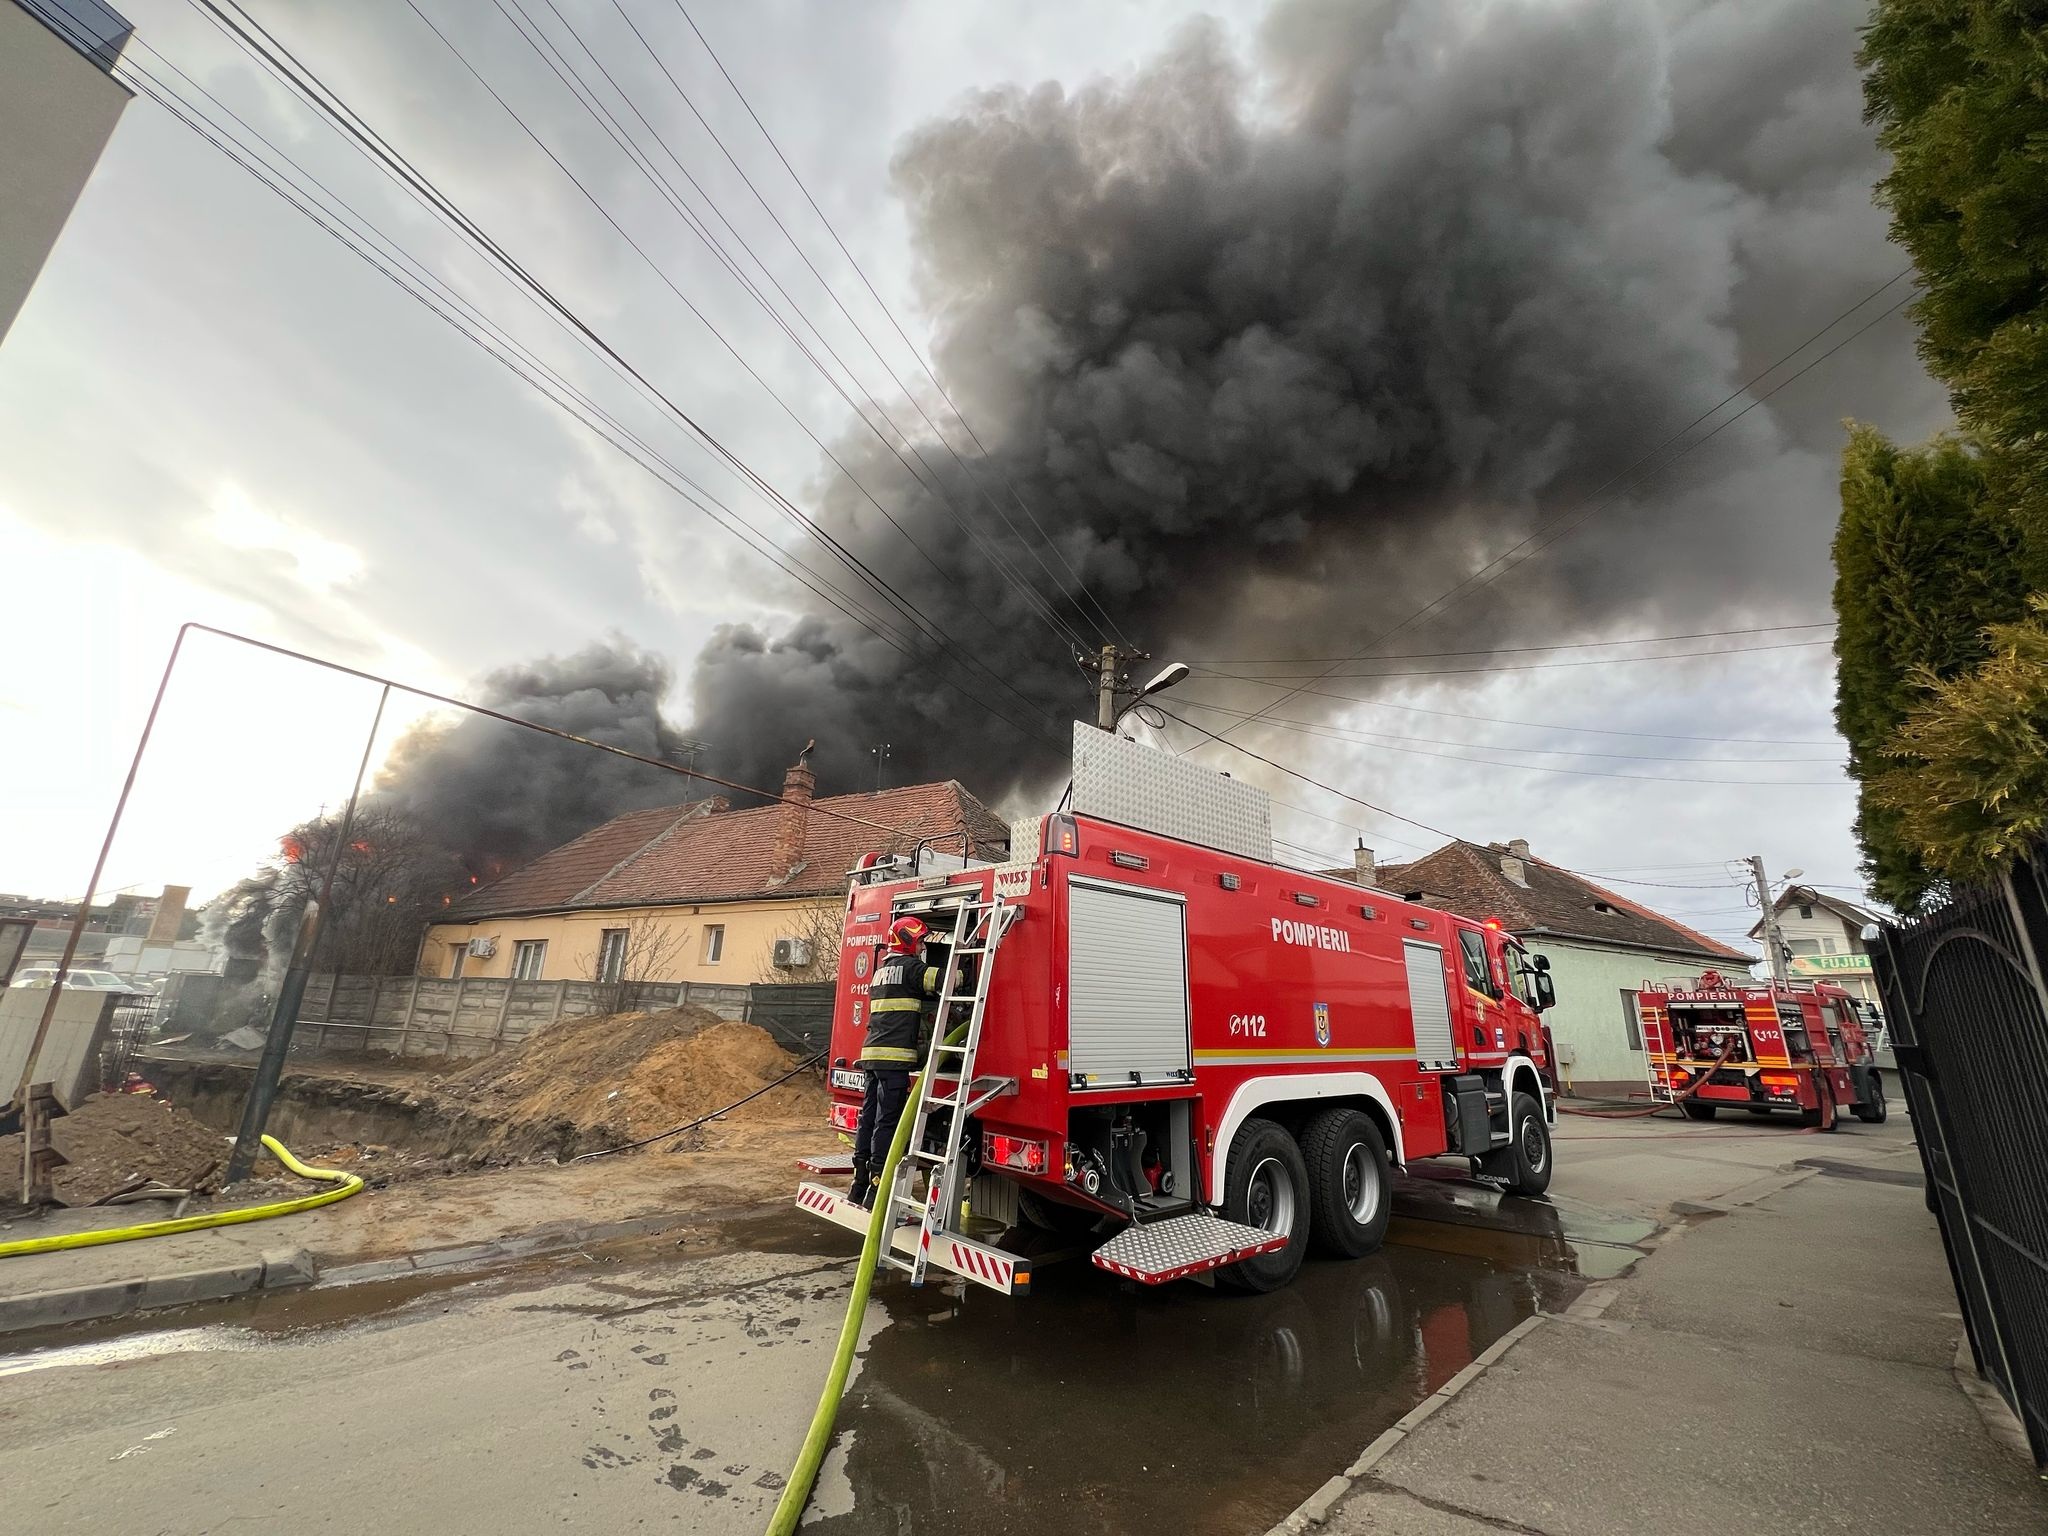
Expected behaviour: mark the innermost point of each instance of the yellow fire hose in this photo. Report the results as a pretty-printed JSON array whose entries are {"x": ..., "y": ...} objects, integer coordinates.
[
  {"x": 790, "y": 1507},
  {"x": 345, "y": 1184}
]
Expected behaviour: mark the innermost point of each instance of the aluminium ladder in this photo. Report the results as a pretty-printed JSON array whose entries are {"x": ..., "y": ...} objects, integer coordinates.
[{"x": 950, "y": 1085}]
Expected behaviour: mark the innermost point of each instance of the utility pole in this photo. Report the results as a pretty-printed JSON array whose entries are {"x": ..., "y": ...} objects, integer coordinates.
[
  {"x": 880, "y": 752},
  {"x": 1774, "y": 946},
  {"x": 1107, "y": 667}
]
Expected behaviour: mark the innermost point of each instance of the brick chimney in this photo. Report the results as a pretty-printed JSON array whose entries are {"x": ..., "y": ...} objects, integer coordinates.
[
  {"x": 1514, "y": 863},
  {"x": 1363, "y": 869},
  {"x": 799, "y": 784}
]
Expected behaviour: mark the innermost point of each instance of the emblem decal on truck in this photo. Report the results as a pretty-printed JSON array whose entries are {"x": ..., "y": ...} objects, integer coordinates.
[{"x": 1322, "y": 1023}]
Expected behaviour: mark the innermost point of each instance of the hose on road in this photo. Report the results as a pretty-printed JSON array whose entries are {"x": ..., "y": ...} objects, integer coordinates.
[
  {"x": 1699, "y": 1081},
  {"x": 345, "y": 1184},
  {"x": 796, "y": 1492}
]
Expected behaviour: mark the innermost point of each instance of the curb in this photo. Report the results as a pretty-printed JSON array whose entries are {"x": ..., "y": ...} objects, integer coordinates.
[
  {"x": 273, "y": 1269},
  {"x": 1999, "y": 1422},
  {"x": 1586, "y": 1310}
]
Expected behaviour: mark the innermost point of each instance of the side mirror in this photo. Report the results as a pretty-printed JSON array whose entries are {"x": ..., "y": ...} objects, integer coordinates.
[
  {"x": 1546, "y": 990},
  {"x": 1541, "y": 962}
]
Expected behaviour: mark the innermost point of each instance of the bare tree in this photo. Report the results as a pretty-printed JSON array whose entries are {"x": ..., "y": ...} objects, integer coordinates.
[
  {"x": 650, "y": 948},
  {"x": 818, "y": 930}
]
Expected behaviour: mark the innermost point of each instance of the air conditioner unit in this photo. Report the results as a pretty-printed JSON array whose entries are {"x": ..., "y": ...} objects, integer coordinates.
[
  {"x": 791, "y": 954},
  {"x": 482, "y": 949}
]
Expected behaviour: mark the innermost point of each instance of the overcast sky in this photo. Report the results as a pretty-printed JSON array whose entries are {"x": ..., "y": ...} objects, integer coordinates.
[{"x": 210, "y": 410}]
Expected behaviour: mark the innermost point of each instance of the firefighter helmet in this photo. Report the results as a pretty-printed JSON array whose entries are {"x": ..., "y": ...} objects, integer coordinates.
[{"x": 908, "y": 932}]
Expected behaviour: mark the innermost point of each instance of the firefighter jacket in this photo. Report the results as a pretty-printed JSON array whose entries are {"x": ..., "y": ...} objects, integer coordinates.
[{"x": 897, "y": 998}]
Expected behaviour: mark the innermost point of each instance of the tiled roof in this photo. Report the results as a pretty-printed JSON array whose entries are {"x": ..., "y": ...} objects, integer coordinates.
[
  {"x": 683, "y": 854},
  {"x": 1469, "y": 879}
]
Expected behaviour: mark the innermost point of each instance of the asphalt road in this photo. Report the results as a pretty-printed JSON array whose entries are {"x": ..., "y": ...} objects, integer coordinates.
[{"x": 652, "y": 1383}]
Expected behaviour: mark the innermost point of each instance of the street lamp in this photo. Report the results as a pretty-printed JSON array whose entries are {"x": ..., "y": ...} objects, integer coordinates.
[{"x": 1166, "y": 677}]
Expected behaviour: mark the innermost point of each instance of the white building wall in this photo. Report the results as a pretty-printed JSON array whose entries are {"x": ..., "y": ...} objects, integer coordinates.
[
  {"x": 57, "y": 110},
  {"x": 1592, "y": 1020}
]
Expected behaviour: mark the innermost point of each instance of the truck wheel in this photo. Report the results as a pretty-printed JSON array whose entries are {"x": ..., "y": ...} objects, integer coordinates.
[
  {"x": 1351, "y": 1186},
  {"x": 1692, "y": 1109},
  {"x": 1265, "y": 1185},
  {"x": 1872, "y": 1110},
  {"x": 1528, "y": 1148}
]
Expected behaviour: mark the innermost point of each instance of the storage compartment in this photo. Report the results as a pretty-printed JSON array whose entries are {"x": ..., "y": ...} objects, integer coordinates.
[
  {"x": 1127, "y": 986},
  {"x": 1429, "y": 1002}
]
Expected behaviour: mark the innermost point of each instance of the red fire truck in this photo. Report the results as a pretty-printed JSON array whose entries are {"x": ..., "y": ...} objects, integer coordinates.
[
  {"x": 1759, "y": 1046},
  {"x": 1150, "y": 1029}
]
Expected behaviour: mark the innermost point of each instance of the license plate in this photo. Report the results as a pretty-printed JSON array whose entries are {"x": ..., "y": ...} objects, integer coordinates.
[{"x": 848, "y": 1078}]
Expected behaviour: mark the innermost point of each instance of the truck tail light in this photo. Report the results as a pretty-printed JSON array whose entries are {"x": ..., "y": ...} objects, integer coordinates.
[
  {"x": 1013, "y": 1152},
  {"x": 1779, "y": 1082},
  {"x": 1062, "y": 836},
  {"x": 846, "y": 1117}
]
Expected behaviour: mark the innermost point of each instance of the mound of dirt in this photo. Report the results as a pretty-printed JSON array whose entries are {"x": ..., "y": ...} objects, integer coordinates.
[
  {"x": 588, "y": 1084},
  {"x": 118, "y": 1141}
]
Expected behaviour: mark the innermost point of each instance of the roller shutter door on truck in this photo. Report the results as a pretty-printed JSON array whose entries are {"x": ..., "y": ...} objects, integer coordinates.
[
  {"x": 1127, "y": 984},
  {"x": 1430, "y": 1002}
]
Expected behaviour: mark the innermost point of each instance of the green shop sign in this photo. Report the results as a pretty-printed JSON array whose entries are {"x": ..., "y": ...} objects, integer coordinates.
[{"x": 1820, "y": 965}]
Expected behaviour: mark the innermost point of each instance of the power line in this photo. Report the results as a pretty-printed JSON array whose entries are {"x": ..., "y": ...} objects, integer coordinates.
[
  {"x": 915, "y": 352},
  {"x": 1276, "y": 678},
  {"x": 1502, "y": 650},
  {"x": 305, "y": 83},
  {"x": 1577, "y": 773},
  {"x": 1544, "y": 537},
  {"x": 523, "y": 364},
  {"x": 963, "y": 653},
  {"x": 1579, "y": 730},
  {"x": 1345, "y": 733},
  {"x": 337, "y": 208},
  {"x": 586, "y": 97}
]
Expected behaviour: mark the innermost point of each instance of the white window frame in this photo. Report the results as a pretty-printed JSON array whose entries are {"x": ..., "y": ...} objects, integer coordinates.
[
  {"x": 714, "y": 943},
  {"x": 529, "y": 959},
  {"x": 612, "y": 946}
]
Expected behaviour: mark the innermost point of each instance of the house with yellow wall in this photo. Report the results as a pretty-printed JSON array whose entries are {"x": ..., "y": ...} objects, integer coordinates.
[{"x": 700, "y": 892}]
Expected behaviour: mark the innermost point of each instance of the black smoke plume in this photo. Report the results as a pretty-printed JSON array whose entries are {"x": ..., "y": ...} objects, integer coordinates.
[
  {"x": 1278, "y": 350},
  {"x": 497, "y": 795}
]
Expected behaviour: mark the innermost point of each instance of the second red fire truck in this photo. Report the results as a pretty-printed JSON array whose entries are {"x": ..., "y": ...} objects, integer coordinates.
[
  {"x": 1156, "y": 1036},
  {"x": 1718, "y": 1043}
]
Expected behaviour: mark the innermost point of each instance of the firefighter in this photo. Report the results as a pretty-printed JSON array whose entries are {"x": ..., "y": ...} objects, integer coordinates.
[{"x": 901, "y": 990}]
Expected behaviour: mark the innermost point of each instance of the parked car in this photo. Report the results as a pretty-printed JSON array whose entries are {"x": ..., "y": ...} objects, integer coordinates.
[{"x": 45, "y": 977}]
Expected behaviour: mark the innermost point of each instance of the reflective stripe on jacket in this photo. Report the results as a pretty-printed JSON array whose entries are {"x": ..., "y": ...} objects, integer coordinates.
[{"x": 896, "y": 1002}]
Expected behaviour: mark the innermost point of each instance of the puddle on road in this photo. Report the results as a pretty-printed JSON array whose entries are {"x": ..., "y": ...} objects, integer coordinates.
[{"x": 1111, "y": 1407}]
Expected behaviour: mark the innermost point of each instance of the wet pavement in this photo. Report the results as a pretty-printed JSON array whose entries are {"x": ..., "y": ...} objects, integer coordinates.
[{"x": 648, "y": 1379}]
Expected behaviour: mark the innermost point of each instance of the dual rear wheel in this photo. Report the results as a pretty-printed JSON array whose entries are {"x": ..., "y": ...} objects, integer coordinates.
[{"x": 1331, "y": 1189}]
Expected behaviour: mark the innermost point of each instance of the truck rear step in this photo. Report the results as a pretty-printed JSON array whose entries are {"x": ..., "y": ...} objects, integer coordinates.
[
  {"x": 1160, "y": 1251},
  {"x": 827, "y": 1162},
  {"x": 985, "y": 1265}
]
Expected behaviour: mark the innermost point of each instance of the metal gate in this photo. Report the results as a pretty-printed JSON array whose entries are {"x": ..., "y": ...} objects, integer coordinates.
[{"x": 1967, "y": 1008}]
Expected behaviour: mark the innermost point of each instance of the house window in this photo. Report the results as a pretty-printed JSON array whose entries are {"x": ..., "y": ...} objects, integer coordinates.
[
  {"x": 611, "y": 954},
  {"x": 1802, "y": 946},
  {"x": 1806, "y": 912},
  {"x": 528, "y": 957},
  {"x": 1827, "y": 946},
  {"x": 714, "y": 942},
  {"x": 455, "y": 964},
  {"x": 1631, "y": 1020}
]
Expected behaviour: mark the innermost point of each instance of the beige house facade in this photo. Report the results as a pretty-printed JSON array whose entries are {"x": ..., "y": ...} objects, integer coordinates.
[{"x": 700, "y": 892}]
